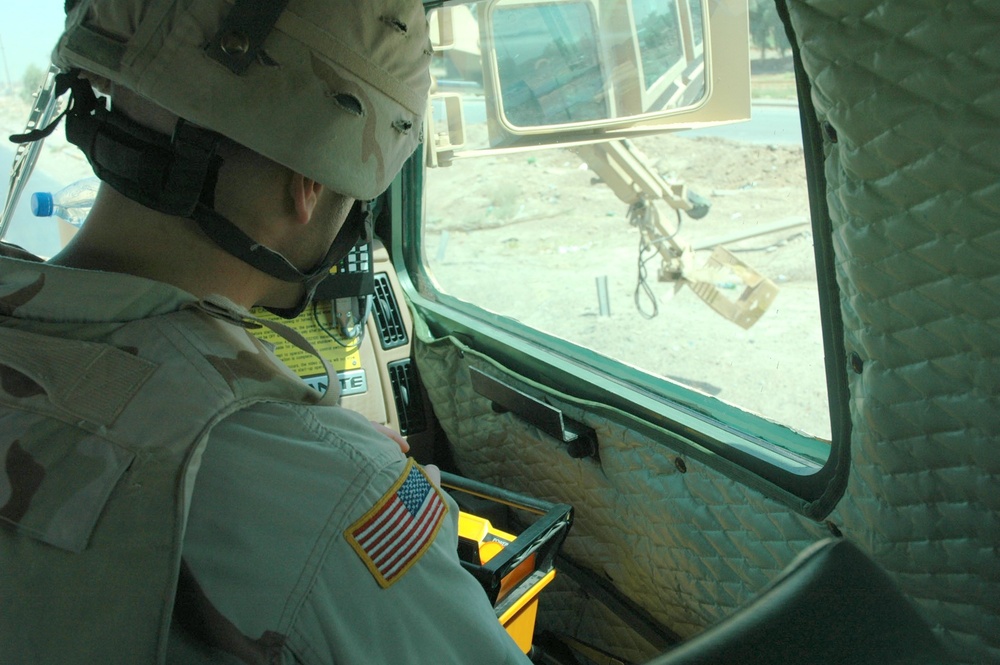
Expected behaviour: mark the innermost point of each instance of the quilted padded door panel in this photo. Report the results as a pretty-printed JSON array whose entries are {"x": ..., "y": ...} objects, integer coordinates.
[{"x": 911, "y": 93}]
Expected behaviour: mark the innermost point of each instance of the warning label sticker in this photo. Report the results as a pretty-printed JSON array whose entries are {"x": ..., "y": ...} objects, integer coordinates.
[{"x": 317, "y": 326}]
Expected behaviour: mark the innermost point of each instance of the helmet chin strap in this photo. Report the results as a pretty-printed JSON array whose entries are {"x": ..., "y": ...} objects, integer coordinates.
[
  {"x": 176, "y": 175},
  {"x": 359, "y": 224}
]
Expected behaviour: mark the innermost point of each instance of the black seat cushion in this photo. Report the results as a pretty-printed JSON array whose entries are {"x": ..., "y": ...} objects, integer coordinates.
[{"x": 831, "y": 606}]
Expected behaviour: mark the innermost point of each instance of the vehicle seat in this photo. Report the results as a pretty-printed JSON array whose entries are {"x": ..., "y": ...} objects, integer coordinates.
[{"x": 831, "y": 606}]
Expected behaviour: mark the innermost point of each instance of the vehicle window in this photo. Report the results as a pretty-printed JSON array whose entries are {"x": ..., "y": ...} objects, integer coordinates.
[
  {"x": 58, "y": 164},
  {"x": 710, "y": 287},
  {"x": 536, "y": 71}
]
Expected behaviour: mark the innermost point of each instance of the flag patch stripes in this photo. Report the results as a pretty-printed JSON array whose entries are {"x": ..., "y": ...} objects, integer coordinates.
[{"x": 396, "y": 532}]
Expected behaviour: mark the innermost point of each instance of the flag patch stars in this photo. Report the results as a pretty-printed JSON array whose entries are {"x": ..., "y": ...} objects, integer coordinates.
[{"x": 394, "y": 534}]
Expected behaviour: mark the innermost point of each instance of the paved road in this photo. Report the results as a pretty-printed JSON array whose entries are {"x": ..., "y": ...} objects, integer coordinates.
[{"x": 769, "y": 123}]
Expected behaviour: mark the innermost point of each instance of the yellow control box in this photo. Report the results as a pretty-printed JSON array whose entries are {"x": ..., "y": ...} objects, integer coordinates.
[
  {"x": 513, "y": 569},
  {"x": 518, "y": 616}
]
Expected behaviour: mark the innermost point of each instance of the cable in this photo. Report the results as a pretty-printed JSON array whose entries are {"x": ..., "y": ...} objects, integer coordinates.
[
  {"x": 642, "y": 285},
  {"x": 332, "y": 334},
  {"x": 638, "y": 215}
]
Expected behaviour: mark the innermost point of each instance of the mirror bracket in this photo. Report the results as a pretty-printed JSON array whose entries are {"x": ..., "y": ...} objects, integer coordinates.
[{"x": 448, "y": 135}]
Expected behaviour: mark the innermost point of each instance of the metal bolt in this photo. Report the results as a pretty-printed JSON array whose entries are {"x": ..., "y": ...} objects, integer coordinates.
[
  {"x": 830, "y": 132},
  {"x": 857, "y": 364},
  {"x": 235, "y": 44}
]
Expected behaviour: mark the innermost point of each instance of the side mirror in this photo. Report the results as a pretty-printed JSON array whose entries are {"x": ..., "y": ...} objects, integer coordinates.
[
  {"x": 542, "y": 72},
  {"x": 580, "y": 61}
]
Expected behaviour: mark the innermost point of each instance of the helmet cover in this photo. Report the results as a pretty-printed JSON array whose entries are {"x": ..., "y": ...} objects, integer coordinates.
[{"x": 338, "y": 93}]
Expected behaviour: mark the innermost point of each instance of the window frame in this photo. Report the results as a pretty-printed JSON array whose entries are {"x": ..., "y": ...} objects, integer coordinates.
[{"x": 747, "y": 447}]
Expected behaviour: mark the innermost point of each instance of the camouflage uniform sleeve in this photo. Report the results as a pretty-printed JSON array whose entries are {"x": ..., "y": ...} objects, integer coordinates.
[{"x": 312, "y": 539}]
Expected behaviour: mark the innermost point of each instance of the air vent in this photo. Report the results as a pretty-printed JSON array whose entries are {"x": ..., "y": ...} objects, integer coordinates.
[
  {"x": 388, "y": 319},
  {"x": 406, "y": 391}
]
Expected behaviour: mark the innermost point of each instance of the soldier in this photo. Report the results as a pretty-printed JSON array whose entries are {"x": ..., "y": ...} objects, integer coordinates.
[{"x": 172, "y": 493}]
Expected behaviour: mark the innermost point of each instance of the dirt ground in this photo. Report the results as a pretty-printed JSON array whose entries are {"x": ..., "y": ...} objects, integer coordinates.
[{"x": 528, "y": 236}]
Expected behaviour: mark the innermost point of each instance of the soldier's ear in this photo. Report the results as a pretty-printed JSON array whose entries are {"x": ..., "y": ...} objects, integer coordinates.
[{"x": 304, "y": 193}]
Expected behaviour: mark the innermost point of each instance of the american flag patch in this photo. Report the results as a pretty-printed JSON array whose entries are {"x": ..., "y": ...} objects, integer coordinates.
[{"x": 400, "y": 527}]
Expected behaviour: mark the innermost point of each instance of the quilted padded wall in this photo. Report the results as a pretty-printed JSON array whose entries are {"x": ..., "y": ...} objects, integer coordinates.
[
  {"x": 912, "y": 91},
  {"x": 689, "y": 547}
]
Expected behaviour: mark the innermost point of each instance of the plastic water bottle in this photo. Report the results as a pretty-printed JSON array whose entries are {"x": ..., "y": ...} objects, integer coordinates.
[{"x": 71, "y": 203}]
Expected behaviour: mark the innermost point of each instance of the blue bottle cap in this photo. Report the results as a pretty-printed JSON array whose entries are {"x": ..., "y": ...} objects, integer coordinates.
[{"x": 41, "y": 204}]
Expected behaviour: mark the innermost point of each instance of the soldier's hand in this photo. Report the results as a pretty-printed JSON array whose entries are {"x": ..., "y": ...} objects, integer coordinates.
[
  {"x": 433, "y": 473},
  {"x": 392, "y": 434},
  {"x": 431, "y": 470}
]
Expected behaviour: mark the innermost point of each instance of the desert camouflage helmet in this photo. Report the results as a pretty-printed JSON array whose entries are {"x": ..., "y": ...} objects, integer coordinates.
[{"x": 333, "y": 89}]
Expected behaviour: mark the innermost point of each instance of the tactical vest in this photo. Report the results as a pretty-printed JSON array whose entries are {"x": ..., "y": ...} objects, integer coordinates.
[{"x": 102, "y": 441}]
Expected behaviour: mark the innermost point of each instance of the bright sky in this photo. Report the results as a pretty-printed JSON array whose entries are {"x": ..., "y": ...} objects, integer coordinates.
[{"x": 28, "y": 31}]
